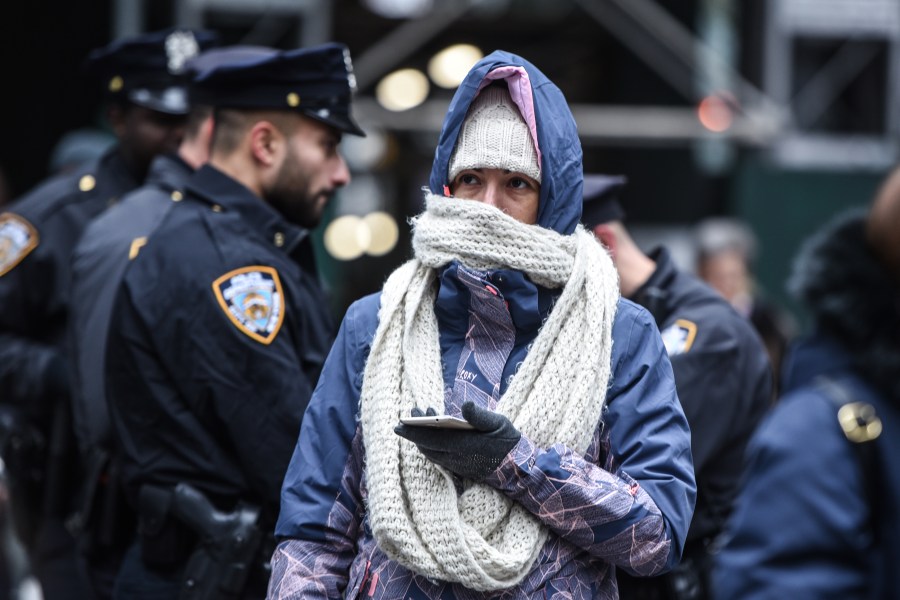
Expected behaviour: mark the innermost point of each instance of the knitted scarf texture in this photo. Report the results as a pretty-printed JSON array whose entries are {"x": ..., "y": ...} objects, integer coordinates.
[{"x": 479, "y": 538}]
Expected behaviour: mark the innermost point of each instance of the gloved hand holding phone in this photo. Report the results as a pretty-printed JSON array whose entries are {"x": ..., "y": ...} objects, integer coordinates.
[{"x": 470, "y": 453}]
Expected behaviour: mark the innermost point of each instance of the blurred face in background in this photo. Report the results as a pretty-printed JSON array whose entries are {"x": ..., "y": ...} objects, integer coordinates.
[
  {"x": 143, "y": 134},
  {"x": 727, "y": 273}
]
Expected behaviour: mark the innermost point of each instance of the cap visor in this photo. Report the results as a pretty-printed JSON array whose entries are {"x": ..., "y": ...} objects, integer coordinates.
[
  {"x": 171, "y": 100},
  {"x": 345, "y": 124}
]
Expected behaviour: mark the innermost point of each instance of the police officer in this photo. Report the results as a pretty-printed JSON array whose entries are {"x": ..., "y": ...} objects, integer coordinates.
[
  {"x": 220, "y": 327},
  {"x": 99, "y": 259},
  {"x": 722, "y": 375},
  {"x": 146, "y": 105}
]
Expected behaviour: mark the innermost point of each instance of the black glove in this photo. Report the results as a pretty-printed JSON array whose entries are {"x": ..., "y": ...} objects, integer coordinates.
[{"x": 473, "y": 454}]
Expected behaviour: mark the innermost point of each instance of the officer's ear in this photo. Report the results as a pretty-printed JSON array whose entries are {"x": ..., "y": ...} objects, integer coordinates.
[{"x": 267, "y": 143}]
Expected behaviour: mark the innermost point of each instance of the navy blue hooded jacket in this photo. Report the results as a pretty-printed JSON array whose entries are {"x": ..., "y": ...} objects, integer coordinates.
[{"x": 627, "y": 502}]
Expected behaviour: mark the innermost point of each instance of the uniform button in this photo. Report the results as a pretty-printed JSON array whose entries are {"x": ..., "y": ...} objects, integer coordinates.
[
  {"x": 177, "y": 196},
  {"x": 279, "y": 239},
  {"x": 216, "y": 208},
  {"x": 87, "y": 183}
]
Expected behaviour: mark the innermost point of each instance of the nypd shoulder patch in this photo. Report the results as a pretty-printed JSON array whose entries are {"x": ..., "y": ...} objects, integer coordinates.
[
  {"x": 253, "y": 300},
  {"x": 679, "y": 336},
  {"x": 18, "y": 237}
]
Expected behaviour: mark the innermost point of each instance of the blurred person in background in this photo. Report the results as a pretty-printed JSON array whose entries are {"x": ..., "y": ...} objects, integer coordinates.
[
  {"x": 77, "y": 147},
  {"x": 817, "y": 516},
  {"x": 726, "y": 255},
  {"x": 145, "y": 100},
  {"x": 722, "y": 375},
  {"x": 109, "y": 242},
  {"x": 509, "y": 315},
  {"x": 220, "y": 327}
]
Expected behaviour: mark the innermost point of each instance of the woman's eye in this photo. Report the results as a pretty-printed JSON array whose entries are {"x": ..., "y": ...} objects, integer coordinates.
[
  {"x": 467, "y": 179},
  {"x": 518, "y": 183}
]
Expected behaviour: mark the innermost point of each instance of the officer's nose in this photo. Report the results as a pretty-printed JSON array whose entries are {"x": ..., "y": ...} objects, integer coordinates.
[{"x": 341, "y": 175}]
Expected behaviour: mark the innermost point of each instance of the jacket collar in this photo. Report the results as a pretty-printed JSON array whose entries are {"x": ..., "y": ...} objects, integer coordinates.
[
  {"x": 169, "y": 172},
  {"x": 528, "y": 303},
  {"x": 653, "y": 294},
  {"x": 215, "y": 188}
]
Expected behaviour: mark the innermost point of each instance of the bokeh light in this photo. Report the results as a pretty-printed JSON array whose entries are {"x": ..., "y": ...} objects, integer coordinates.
[
  {"x": 348, "y": 237},
  {"x": 449, "y": 67},
  {"x": 402, "y": 90},
  {"x": 383, "y": 232},
  {"x": 715, "y": 113}
]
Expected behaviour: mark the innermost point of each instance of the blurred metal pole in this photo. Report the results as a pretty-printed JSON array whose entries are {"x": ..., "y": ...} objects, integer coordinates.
[
  {"x": 605, "y": 125},
  {"x": 264, "y": 18},
  {"x": 821, "y": 90},
  {"x": 405, "y": 40},
  {"x": 714, "y": 152},
  {"x": 670, "y": 49},
  {"x": 128, "y": 18}
]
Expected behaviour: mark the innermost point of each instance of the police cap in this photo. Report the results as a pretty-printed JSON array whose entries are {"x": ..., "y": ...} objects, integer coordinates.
[
  {"x": 601, "y": 199},
  {"x": 317, "y": 81},
  {"x": 150, "y": 69}
]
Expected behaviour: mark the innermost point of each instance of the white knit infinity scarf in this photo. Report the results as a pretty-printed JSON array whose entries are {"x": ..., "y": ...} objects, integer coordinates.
[{"x": 480, "y": 538}]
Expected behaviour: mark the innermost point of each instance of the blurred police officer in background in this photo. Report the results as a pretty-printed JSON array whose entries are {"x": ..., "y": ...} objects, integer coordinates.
[
  {"x": 722, "y": 375},
  {"x": 141, "y": 76},
  {"x": 817, "y": 515},
  {"x": 726, "y": 258},
  {"x": 99, "y": 259},
  {"x": 220, "y": 327}
]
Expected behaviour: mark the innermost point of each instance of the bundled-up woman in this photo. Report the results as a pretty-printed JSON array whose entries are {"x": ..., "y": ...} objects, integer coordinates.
[{"x": 509, "y": 316}]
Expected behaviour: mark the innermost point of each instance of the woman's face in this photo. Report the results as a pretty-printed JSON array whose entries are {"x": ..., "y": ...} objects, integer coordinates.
[{"x": 514, "y": 193}]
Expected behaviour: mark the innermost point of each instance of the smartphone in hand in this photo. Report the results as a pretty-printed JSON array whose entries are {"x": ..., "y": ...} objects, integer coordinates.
[{"x": 440, "y": 421}]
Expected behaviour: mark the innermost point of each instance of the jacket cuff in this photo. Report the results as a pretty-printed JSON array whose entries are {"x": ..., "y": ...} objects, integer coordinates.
[{"x": 517, "y": 461}]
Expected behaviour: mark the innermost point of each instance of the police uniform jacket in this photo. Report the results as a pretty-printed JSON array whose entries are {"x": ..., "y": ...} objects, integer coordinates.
[
  {"x": 817, "y": 516},
  {"x": 218, "y": 335},
  {"x": 37, "y": 236},
  {"x": 723, "y": 377},
  {"x": 98, "y": 262}
]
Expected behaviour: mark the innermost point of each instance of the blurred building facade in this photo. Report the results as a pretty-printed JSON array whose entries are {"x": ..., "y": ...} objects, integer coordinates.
[{"x": 778, "y": 112}]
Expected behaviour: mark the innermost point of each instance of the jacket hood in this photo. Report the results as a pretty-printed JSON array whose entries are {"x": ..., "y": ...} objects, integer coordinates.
[
  {"x": 852, "y": 299},
  {"x": 553, "y": 129}
]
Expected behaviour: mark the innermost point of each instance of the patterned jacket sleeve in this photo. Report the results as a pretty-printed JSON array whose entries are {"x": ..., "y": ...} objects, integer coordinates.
[
  {"x": 321, "y": 509},
  {"x": 633, "y": 510}
]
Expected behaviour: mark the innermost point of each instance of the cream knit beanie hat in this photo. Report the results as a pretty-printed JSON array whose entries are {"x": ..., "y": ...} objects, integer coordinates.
[{"x": 495, "y": 136}]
